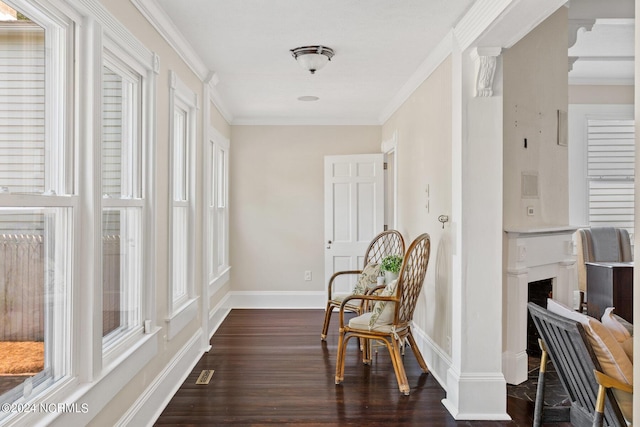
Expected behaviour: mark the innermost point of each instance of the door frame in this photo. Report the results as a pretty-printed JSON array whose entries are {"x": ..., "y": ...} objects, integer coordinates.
[{"x": 390, "y": 146}]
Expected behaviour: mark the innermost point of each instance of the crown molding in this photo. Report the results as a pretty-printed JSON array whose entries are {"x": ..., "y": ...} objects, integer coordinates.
[
  {"x": 479, "y": 17},
  {"x": 437, "y": 56},
  {"x": 164, "y": 25},
  {"x": 172, "y": 35},
  {"x": 304, "y": 121},
  {"x": 214, "y": 96}
]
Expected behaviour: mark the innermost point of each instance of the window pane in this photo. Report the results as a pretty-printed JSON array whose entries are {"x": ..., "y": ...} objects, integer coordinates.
[
  {"x": 121, "y": 272},
  {"x": 111, "y": 133},
  {"x": 180, "y": 252},
  {"x": 120, "y": 133},
  {"x": 33, "y": 297},
  {"x": 179, "y": 155},
  {"x": 221, "y": 179},
  {"x": 22, "y": 109}
]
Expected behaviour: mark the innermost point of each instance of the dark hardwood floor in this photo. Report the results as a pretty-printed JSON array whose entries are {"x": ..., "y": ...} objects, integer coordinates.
[{"x": 272, "y": 369}]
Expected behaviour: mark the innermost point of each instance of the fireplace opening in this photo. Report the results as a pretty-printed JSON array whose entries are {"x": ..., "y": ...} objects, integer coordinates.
[{"x": 538, "y": 292}]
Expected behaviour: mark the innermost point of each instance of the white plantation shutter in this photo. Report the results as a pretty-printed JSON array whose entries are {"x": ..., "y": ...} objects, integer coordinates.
[{"x": 610, "y": 170}]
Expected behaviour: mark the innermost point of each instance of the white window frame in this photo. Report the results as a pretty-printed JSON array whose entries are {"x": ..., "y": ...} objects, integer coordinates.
[
  {"x": 217, "y": 210},
  {"x": 58, "y": 202},
  {"x": 579, "y": 114},
  {"x": 182, "y": 306},
  {"x": 135, "y": 185}
]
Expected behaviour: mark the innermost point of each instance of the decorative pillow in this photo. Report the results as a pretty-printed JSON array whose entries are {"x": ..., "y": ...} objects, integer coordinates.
[
  {"x": 619, "y": 332},
  {"x": 627, "y": 346},
  {"x": 564, "y": 311},
  {"x": 383, "y": 311},
  {"x": 368, "y": 277},
  {"x": 628, "y": 326},
  {"x": 614, "y": 362}
]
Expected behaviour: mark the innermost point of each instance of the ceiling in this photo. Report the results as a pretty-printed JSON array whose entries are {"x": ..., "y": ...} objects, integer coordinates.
[
  {"x": 378, "y": 44},
  {"x": 379, "y": 47}
]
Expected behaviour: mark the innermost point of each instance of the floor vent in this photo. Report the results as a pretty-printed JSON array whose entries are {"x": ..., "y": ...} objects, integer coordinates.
[{"x": 205, "y": 376}]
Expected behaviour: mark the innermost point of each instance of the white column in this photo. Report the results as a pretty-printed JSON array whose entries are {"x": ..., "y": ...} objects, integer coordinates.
[{"x": 476, "y": 388}]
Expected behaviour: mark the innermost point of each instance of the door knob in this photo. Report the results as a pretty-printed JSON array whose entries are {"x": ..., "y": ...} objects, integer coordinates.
[{"x": 329, "y": 244}]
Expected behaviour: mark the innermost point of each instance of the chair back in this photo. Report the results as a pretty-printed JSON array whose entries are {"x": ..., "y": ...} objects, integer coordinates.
[
  {"x": 411, "y": 279},
  {"x": 388, "y": 242},
  {"x": 574, "y": 360},
  {"x": 601, "y": 244}
]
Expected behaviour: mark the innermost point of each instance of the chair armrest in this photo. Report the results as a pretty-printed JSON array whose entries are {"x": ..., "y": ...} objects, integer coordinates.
[
  {"x": 604, "y": 382},
  {"x": 335, "y": 275},
  {"x": 364, "y": 297},
  {"x": 375, "y": 290},
  {"x": 607, "y": 382}
]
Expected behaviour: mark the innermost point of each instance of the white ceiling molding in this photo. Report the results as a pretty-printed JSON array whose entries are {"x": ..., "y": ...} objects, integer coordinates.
[
  {"x": 305, "y": 121},
  {"x": 214, "y": 96},
  {"x": 435, "y": 58},
  {"x": 172, "y": 35},
  {"x": 603, "y": 55},
  {"x": 577, "y": 25},
  {"x": 480, "y": 16},
  {"x": 508, "y": 25}
]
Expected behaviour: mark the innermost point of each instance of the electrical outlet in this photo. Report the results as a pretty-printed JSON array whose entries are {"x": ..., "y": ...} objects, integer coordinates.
[
  {"x": 530, "y": 211},
  {"x": 307, "y": 275}
]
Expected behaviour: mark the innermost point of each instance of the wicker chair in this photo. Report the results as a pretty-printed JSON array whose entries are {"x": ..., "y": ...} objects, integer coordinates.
[
  {"x": 386, "y": 243},
  {"x": 402, "y": 303}
]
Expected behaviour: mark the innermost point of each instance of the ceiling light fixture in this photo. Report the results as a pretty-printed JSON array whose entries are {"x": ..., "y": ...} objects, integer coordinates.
[{"x": 312, "y": 58}]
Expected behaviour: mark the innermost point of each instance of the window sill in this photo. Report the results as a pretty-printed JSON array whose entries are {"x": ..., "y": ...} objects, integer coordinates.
[{"x": 181, "y": 317}]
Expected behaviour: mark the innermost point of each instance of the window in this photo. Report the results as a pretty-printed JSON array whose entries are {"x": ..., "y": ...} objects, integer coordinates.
[
  {"x": 217, "y": 208},
  {"x": 610, "y": 171},
  {"x": 122, "y": 200},
  {"x": 37, "y": 202},
  {"x": 183, "y": 124}
]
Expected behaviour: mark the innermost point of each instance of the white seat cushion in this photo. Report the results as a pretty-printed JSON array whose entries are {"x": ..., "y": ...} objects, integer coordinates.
[{"x": 362, "y": 322}]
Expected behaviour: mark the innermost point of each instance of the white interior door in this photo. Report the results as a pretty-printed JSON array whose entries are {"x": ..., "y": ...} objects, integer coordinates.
[{"x": 354, "y": 211}]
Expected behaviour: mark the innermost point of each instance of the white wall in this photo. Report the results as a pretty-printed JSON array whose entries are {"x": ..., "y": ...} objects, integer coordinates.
[
  {"x": 535, "y": 88},
  {"x": 423, "y": 126},
  {"x": 277, "y": 202}
]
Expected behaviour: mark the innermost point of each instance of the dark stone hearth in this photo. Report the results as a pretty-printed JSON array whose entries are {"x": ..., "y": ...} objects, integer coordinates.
[{"x": 555, "y": 395}]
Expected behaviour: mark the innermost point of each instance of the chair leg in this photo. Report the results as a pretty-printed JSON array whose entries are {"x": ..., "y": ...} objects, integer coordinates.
[
  {"x": 417, "y": 353},
  {"x": 327, "y": 320},
  {"x": 366, "y": 351},
  {"x": 340, "y": 358},
  {"x": 398, "y": 366}
]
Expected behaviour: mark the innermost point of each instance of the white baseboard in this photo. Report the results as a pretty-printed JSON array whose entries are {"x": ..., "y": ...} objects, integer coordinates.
[
  {"x": 281, "y": 300},
  {"x": 148, "y": 407},
  {"x": 217, "y": 315},
  {"x": 437, "y": 360}
]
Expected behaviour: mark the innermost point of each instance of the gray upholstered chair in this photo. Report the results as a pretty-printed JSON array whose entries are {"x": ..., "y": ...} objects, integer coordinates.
[{"x": 600, "y": 244}]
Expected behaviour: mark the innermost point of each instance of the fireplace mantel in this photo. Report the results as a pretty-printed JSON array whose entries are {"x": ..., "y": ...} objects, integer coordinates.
[{"x": 533, "y": 254}]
